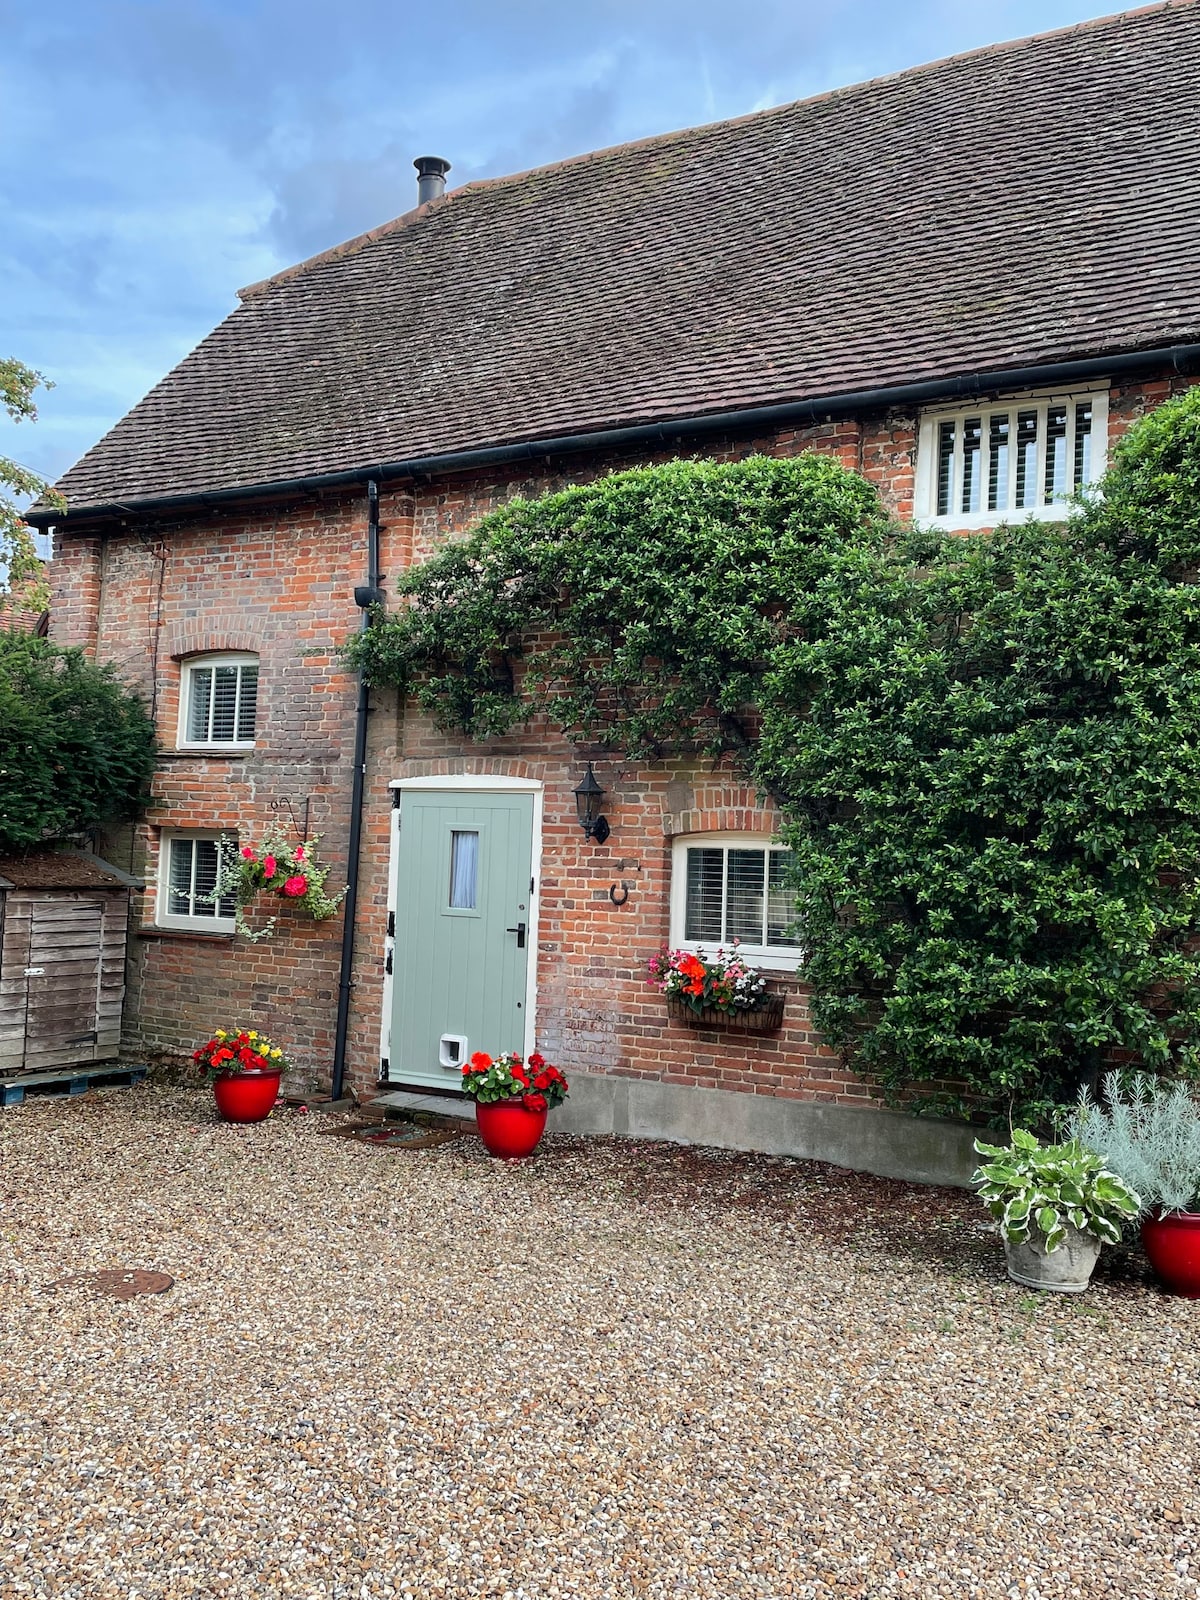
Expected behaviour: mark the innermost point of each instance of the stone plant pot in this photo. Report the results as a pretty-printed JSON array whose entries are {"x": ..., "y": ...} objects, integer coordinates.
[{"x": 1066, "y": 1270}]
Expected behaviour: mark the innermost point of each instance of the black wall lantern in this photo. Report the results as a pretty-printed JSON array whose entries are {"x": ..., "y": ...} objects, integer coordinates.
[{"x": 587, "y": 804}]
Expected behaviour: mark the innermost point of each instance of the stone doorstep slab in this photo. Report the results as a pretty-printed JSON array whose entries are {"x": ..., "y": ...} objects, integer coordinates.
[{"x": 398, "y": 1102}]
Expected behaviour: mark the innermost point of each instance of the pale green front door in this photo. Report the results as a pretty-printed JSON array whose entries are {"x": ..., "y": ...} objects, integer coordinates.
[{"x": 463, "y": 929}]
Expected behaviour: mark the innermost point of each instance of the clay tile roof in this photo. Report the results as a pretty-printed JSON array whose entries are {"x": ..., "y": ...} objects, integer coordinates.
[{"x": 1030, "y": 203}]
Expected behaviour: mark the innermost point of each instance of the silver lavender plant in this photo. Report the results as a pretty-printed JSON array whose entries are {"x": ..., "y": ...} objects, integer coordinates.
[{"x": 1149, "y": 1135}]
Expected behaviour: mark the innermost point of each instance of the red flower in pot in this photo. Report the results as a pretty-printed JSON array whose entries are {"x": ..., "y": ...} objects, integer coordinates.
[
  {"x": 244, "y": 1068},
  {"x": 512, "y": 1097}
]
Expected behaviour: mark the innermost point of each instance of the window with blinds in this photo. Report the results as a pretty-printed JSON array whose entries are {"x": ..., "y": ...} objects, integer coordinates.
[
  {"x": 1008, "y": 459},
  {"x": 730, "y": 891},
  {"x": 188, "y": 888},
  {"x": 220, "y": 700}
]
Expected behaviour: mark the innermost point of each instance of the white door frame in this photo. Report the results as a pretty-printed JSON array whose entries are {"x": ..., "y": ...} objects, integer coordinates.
[{"x": 463, "y": 784}]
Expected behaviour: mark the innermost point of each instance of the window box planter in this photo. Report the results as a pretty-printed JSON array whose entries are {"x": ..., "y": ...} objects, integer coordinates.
[{"x": 766, "y": 1018}]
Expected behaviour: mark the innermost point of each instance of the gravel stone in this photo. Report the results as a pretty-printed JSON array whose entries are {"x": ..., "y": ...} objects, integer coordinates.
[{"x": 618, "y": 1369}]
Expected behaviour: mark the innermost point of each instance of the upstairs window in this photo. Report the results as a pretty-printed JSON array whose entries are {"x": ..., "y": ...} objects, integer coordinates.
[
  {"x": 1009, "y": 460},
  {"x": 219, "y": 701},
  {"x": 730, "y": 886}
]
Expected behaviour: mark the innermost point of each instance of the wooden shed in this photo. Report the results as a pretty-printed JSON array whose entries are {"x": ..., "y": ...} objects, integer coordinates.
[{"x": 64, "y": 916}]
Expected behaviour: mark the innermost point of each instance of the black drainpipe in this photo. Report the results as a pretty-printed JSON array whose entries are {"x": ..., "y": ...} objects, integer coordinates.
[{"x": 364, "y": 596}]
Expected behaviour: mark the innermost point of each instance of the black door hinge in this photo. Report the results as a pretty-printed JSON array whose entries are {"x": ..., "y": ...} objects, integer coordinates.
[
  {"x": 384, "y": 1066},
  {"x": 395, "y": 799},
  {"x": 387, "y": 965},
  {"x": 391, "y": 927}
]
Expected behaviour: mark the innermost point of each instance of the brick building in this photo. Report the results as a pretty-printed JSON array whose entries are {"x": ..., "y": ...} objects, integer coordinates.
[{"x": 965, "y": 281}]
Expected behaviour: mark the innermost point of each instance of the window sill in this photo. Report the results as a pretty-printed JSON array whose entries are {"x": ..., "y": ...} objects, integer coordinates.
[
  {"x": 206, "y": 752},
  {"x": 786, "y": 965},
  {"x": 985, "y": 521},
  {"x": 188, "y": 935}
]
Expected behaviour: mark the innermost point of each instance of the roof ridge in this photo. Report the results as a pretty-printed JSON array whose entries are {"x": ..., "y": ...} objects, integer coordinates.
[{"x": 475, "y": 185}]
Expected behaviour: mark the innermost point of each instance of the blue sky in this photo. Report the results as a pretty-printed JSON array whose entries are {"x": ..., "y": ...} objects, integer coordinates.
[{"x": 159, "y": 154}]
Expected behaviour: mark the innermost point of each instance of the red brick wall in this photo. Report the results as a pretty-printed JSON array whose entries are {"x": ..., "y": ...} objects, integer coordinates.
[{"x": 279, "y": 580}]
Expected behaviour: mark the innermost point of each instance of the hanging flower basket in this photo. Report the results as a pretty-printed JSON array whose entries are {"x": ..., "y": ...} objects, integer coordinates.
[
  {"x": 293, "y": 873},
  {"x": 767, "y": 1017}
]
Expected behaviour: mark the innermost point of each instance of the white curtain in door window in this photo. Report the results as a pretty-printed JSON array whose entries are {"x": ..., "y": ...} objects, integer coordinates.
[{"x": 464, "y": 870}]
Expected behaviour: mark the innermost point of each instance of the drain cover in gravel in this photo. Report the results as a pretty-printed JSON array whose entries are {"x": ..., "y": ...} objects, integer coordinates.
[
  {"x": 396, "y": 1135},
  {"x": 122, "y": 1283}
]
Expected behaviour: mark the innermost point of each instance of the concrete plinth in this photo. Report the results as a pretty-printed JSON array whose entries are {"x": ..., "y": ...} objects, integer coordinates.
[{"x": 888, "y": 1143}]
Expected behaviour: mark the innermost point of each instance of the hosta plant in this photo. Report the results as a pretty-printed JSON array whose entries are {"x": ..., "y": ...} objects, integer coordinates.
[
  {"x": 1036, "y": 1191},
  {"x": 508, "y": 1076}
]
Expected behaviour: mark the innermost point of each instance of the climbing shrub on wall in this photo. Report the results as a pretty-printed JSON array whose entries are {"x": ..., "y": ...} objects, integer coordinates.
[
  {"x": 639, "y": 610},
  {"x": 986, "y": 750}
]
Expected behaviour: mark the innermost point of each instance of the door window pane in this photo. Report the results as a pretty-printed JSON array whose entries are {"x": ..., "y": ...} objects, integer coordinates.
[{"x": 464, "y": 870}]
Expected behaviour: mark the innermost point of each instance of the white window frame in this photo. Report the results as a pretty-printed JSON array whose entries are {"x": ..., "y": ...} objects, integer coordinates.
[
  {"x": 771, "y": 958},
  {"x": 225, "y": 658},
  {"x": 163, "y": 917},
  {"x": 925, "y": 487}
]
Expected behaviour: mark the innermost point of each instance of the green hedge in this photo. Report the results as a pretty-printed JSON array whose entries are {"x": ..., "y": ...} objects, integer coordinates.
[{"x": 76, "y": 747}]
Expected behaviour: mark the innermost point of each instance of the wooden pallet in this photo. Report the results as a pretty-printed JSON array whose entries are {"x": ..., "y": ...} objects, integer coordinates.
[{"x": 69, "y": 1081}]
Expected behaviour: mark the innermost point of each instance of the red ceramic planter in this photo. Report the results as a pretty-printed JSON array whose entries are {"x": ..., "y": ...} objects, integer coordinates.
[
  {"x": 509, "y": 1129},
  {"x": 1173, "y": 1245},
  {"x": 245, "y": 1096}
]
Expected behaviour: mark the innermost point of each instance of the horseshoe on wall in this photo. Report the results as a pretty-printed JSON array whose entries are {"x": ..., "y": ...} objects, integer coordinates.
[{"x": 624, "y": 895}]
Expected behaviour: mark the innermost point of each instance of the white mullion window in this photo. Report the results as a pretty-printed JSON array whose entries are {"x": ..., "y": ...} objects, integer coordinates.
[
  {"x": 218, "y": 702},
  {"x": 730, "y": 886},
  {"x": 187, "y": 880},
  {"x": 1008, "y": 458}
]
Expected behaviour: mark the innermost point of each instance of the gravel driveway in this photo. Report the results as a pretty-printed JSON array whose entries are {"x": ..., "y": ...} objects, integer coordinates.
[{"x": 617, "y": 1370}]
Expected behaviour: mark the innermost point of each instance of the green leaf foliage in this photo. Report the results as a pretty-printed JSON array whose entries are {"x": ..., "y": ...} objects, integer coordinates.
[
  {"x": 641, "y": 610},
  {"x": 76, "y": 747},
  {"x": 986, "y": 750},
  {"x": 22, "y": 579},
  {"x": 1034, "y": 1191}
]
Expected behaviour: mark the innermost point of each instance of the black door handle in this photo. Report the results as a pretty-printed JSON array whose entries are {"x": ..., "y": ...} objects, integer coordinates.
[{"x": 519, "y": 930}]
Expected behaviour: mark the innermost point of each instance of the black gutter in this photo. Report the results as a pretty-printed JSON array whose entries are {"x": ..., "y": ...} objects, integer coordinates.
[
  {"x": 364, "y": 597},
  {"x": 1180, "y": 357}
]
